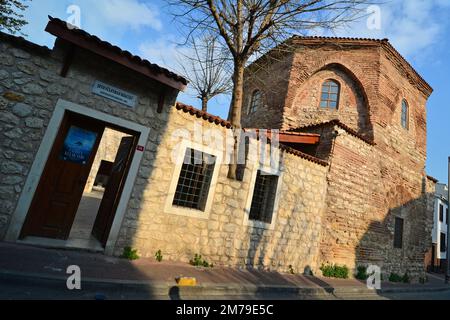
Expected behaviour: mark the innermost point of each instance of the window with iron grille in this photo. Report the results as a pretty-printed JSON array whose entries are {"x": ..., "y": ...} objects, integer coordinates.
[
  {"x": 195, "y": 180},
  {"x": 330, "y": 94},
  {"x": 255, "y": 102},
  {"x": 398, "y": 233},
  {"x": 405, "y": 114},
  {"x": 263, "y": 201},
  {"x": 441, "y": 213},
  {"x": 443, "y": 242}
]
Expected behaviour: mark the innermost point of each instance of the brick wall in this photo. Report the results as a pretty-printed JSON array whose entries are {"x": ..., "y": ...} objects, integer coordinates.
[{"x": 368, "y": 184}]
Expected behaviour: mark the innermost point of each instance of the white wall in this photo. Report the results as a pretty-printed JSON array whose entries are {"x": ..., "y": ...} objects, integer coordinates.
[{"x": 439, "y": 227}]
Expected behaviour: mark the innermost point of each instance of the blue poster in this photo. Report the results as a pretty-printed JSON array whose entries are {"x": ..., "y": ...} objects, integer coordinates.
[{"x": 78, "y": 145}]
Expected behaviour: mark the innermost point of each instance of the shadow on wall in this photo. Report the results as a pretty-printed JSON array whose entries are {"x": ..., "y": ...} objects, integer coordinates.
[
  {"x": 398, "y": 244},
  {"x": 287, "y": 248}
]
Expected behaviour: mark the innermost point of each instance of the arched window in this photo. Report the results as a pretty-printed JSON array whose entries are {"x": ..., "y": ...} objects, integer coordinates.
[
  {"x": 405, "y": 114},
  {"x": 255, "y": 102},
  {"x": 330, "y": 94}
]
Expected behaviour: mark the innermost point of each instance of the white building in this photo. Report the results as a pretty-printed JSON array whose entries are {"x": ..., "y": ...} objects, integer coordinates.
[{"x": 441, "y": 217}]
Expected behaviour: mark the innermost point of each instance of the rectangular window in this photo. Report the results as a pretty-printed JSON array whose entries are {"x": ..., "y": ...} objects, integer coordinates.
[
  {"x": 441, "y": 213},
  {"x": 195, "y": 180},
  {"x": 446, "y": 215},
  {"x": 398, "y": 233},
  {"x": 263, "y": 201},
  {"x": 443, "y": 242}
]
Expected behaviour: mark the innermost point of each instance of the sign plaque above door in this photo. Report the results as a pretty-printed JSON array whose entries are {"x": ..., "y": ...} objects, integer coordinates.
[{"x": 115, "y": 94}]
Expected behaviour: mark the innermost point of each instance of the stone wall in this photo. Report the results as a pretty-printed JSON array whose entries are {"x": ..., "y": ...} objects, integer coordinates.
[
  {"x": 30, "y": 86},
  {"x": 107, "y": 150},
  {"x": 223, "y": 238}
]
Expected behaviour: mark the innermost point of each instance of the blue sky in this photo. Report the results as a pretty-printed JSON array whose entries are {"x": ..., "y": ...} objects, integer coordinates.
[{"x": 419, "y": 29}]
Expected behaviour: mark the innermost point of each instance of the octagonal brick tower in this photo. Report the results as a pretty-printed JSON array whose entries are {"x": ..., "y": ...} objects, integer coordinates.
[{"x": 373, "y": 134}]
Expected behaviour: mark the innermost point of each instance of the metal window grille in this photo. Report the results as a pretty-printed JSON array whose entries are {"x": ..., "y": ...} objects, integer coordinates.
[
  {"x": 330, "y": 95},
  {"x": 398, "y": 233},
  {"x": 256, "y": 101},
  {"x": 264, "y": 198},
  {"x": 195, "y": 180}
]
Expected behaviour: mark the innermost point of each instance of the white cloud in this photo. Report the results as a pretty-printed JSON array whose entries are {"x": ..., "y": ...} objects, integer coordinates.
[
  {"x": 163, "y": 51},
  {"x": 108, "y": 19},
  {"x": 412, "y": 26},
  {"x": 127, "y": 13}
]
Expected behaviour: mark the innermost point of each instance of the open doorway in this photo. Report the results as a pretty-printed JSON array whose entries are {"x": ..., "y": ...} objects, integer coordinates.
[
  {"x": 99, "y": 177},
  {"x": 78, "y": 193}
]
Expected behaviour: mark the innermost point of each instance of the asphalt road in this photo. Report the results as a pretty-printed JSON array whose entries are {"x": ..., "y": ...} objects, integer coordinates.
[{"x": 14, "y": 289}]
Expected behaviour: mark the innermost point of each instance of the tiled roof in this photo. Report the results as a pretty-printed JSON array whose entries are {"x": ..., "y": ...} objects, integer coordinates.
[
  {"x": 81, "y": 38},
  {"x": 425, "y": 87},
  {"x": 338, "y": 38},
  {"x": 384, "y": 42},
  {"x": 432, "y": 179},
  {"x": 303, "y": 155},
  {"x": 224, "y": 123},
  {"x": 204, "y": 115},
  {"x": 339, "y": 124},
  {"x": 23, "y": 43}
]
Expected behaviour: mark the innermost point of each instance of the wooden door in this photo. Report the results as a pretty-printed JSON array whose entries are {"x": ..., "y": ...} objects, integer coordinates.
[
  {"x": 61, "y": 186},
  {"x": 113, "y": 191}
]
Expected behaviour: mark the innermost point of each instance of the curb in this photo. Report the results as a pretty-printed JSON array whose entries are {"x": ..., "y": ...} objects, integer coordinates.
[{"x": 206, "y": 290}]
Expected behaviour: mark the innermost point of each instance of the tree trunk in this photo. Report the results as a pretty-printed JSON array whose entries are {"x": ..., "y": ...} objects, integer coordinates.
[
  {"x": 235, "y": 112},
  {"x": 205, "y": 104}
]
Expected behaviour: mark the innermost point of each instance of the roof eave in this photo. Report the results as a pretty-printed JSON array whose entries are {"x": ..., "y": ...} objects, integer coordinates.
[{"x": 58, "y": 31}]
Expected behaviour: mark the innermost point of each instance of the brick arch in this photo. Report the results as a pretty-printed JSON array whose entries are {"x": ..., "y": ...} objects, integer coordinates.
[
  {"x": 355, "y": 72},
  {"x": 352, "y": 76},
  {"x": 308, "y": 72}
]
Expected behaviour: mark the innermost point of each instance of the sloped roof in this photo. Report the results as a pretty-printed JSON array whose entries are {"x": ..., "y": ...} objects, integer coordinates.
[
  {"x": 338, "y": 123},
  {"x": 383, "y": 43},
  {"x": 224, "y": 123},
  {"x": 204, "y": 115},
  {"x": 94, "y": 44}
]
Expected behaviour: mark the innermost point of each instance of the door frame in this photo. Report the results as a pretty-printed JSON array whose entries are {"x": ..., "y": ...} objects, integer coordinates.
[{"x": 43, "y": 153}]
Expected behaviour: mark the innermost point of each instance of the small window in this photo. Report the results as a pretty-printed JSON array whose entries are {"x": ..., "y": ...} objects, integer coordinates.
[
  {"x": 330, "y": 94},
  {"x": 263, "y": 201},
  {"x": 443, "y": 243},
  {"x": 441, "y": 213},
  {"x": 398, "y": 233},
  {"x": 255, "y": 103},
  {"x": 405, "y": 114},
  {"x": 195, "y": 180},
  {"x": 446, "y": 215}
]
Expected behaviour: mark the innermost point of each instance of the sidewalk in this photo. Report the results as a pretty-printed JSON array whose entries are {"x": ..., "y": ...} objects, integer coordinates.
[{"x": 158, "y": 279}]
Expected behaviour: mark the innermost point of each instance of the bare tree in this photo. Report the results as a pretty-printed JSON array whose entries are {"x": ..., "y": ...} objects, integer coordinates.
[
  {"x": 10, "y": 18},
  {"x": 205, "y": 66},
  {"x": 249, "y": 27}
]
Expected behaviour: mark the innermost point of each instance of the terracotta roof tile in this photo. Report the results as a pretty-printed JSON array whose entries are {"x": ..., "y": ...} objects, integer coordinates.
[
  {"x": 337, "y": 123},
  {"x": 204, "y": 115},
  {"x": 303, "y": 155},
  {"x": 224, "y": 123},
  {"x": 22, "y": 42},
  {"x": 57, "y": 26},
  {"x": 383, "y": 42}
]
